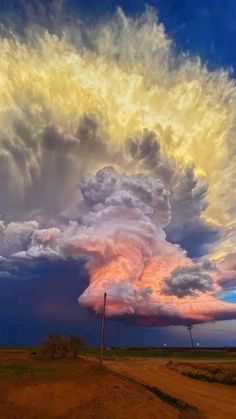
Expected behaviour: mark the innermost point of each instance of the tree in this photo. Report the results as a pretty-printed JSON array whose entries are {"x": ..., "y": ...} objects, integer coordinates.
[
  {"x": 65, "y": 346},
  {"x": 58, "y": 347},
  {"x": 76, "y": 342}
]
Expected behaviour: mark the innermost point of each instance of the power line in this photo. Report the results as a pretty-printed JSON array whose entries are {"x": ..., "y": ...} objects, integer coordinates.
[
  {"x": 188, "y": 327},
  {"x": 172, "y": 302}
]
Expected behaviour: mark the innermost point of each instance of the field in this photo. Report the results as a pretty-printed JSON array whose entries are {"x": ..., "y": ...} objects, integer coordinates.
[
  {"x": 169, "y": 353},
  {"x": 133, "y": 384}
]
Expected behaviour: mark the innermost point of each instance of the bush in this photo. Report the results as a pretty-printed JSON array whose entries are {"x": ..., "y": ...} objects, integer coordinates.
[
  {"x": 76, "y": 342},
  {"x": 58, "y": 347}
]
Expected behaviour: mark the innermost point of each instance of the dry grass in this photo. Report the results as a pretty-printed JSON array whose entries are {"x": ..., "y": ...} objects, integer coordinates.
[
  {"x": 223, "y": 373},
  {"x": 70, "y": 389}
]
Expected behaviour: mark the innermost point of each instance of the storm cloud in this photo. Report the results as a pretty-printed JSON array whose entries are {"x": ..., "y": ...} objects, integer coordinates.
[
  {"x": 112, "y": 149},
  {"x": 189, "y": 280}
]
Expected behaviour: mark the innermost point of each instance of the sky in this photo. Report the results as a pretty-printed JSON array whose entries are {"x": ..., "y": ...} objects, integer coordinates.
[{"x": 117, "y": 160}]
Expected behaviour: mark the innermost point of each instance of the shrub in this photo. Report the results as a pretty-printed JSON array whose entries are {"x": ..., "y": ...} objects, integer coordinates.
[
  {"x": 75, "y": 343},
  {"x": 58, "y": 347}
]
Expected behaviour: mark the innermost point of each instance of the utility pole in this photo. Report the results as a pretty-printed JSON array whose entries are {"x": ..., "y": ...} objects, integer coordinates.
[
  {"x": 189, "y": 328},
  {"x": 102, "y": 328}
]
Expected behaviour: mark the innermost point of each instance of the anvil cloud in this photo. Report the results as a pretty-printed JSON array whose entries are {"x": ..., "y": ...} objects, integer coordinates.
[{"x": 112, "y": 149}]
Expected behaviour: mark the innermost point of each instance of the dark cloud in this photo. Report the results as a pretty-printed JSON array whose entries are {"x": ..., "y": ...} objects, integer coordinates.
[
  {"x": 15, "y": 237},
  {"x": 227, "y": 267},
  {"x": 108, "y": 188},
  {"x": 189, "y": 280},
  {"x": 42, "y": 299},
  {"x": 145, "y": 148},
  {"x": 187, "y": 195},
  {"x": 57, "y": 142},
  {"x": 197, "y": 238},
  {"x": 41, "y": 171}
]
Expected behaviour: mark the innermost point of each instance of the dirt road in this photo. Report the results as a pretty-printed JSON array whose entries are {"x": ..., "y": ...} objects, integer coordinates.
[{"x": 216, "y": 401}]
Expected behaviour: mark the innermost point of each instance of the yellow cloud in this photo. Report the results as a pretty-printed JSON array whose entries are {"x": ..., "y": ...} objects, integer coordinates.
[{"x": 51, "y": 79}]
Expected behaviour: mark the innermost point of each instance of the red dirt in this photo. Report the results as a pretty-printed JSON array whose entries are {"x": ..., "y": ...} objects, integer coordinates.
[
  {"x": 216, "y": 401},
  {"x": 70, "y": 390}
]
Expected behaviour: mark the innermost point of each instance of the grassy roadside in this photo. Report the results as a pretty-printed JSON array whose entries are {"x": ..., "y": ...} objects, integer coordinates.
[
  {"x": 172, "y": 401},
  {"x": 186, "y": 410},
  {"x": 212, "y": 372},
  {"x": 197, "y": 353},
  {"x": 210, "y": 379},
  {"x": 190, "y": 354}
]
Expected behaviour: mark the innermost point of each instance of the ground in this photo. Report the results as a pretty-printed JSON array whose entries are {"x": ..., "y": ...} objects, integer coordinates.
[
  {"x": 34, "y": 388},
  {"x": 213, "y": 400},
  {"x": 127, "y": 387}
]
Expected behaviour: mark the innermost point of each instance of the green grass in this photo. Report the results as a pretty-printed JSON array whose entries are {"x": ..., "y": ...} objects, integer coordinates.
[
  {"x": 187, "y": 354},
  {"x": 196, "y": 353},
  {"x": 210, "y": 379},
  {"x": 173, "y": 401},
  {"x": 163, "y": 353},
  {"x": 17, "y": 348},
  {"x": 15, "y": 368},
  {"x": 19, "y": 371}
]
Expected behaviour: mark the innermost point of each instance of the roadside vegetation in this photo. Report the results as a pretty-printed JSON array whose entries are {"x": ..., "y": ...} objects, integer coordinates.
[
  {"x": 182, "y": 353},
  {"x": 172, "y": 401},
  {"x": 60, "y": 347},
  {"x": 211, "y": 373}
]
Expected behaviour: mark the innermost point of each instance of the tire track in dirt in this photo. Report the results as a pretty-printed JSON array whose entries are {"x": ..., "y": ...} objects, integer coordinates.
[{"x": 217, "y": 401}]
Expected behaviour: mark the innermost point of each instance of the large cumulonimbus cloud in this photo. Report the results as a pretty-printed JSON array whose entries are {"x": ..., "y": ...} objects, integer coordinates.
[
  {"x": 155, "y": 131},
  {"x": 120, "y": 232}
]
